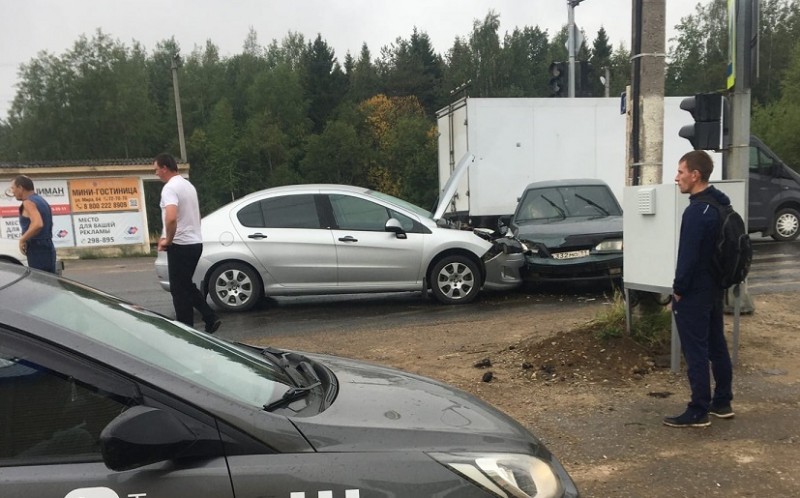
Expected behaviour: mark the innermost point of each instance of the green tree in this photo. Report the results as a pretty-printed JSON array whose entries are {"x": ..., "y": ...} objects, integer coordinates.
[
  {"x": 620, "y": 70},
  {"x": 459, "y": 67},
  {"x": 223, "y": 156},
  {"x": 337, "y": 155},
  {"x": 91, "y": 102},
  {"x": 202, "y": 82},
  {"x": 275, "y": 132},
  {"x": 485, "y": 46},
  {"x": 778, "y": 123},
  {"x": 364, "y": 81},
  {"x": 525, "y": 63},
  {"x": 698, "y": 59},
  {"x": 290, "y": 51},
  {"x": 600, "y": 60},
  {"x": 323, "y": 81},
  {"x": 414, "y": 69},
  {"x": 778, "y": 33}
]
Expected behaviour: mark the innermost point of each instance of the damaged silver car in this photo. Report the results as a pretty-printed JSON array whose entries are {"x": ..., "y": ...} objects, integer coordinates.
[
  {"x": 572, "y": 230},
  {"x": 340, "y": 239}
]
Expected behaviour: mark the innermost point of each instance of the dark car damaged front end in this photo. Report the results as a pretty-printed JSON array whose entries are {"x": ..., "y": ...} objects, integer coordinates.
[{"x": 592, "y": 257}]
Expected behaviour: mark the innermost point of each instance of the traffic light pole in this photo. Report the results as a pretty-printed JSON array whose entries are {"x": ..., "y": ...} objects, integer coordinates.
[
  {"x": 737, "y": 153},
  {"x": 571, "y": 48}
]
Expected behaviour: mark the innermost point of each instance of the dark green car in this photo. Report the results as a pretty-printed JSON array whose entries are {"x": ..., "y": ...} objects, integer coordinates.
[{"x": 572, "y": 230}]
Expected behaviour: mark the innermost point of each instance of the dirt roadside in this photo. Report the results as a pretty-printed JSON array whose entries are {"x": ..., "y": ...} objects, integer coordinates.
[{"x": 598, "y": 405}]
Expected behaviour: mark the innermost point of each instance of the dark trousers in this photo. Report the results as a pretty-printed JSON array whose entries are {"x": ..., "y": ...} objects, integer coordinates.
[
  {"x": 41, "y": 254},
  {"x": 182, "y": 261},
  {"x": 701, "y": 330}
]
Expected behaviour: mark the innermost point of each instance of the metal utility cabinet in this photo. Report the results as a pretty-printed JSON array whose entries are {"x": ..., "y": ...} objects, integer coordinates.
[{"x": 652, "y": 224}]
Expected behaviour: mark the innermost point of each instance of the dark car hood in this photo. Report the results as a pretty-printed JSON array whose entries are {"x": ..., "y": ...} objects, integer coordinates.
[
  {"x": 570, "y": 232},
  {"x": 380, "y": 409}
]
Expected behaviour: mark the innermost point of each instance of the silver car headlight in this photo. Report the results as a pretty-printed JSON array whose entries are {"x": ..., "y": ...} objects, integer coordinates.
[
  {"x": 530, "y": 247},
  {"x": 611, "y": 245},
  {"x": 507, "y": 475}
]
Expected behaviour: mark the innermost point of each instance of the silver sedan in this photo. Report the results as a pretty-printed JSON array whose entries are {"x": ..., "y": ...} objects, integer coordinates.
[{"x": 339, "y": 239}]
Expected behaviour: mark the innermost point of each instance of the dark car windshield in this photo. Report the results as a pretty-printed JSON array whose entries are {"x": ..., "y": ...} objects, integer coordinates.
[
  {"x": 574, "y": 201},
  {"x": 169, "y": 346}
]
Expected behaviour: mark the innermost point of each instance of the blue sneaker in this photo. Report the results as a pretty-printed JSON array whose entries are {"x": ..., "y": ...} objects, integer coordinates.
[
  {"x": 721, "y": 410},
  {"x": 688, "y": 419}
]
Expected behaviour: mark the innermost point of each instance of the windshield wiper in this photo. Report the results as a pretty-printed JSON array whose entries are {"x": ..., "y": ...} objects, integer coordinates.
[
  {"x": 291, "y": 394},
  {"x": 277, "y": 357},
  {"x": 560, "y": 211},
  {"x": 593, "y": 204}
]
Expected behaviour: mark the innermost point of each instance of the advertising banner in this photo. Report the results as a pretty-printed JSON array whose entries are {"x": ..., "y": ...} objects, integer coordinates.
[
  {"x": 108, "y": 229},
  {"x": 63, "y": 235},
  {"x": 98, "y": 195},
  {"x": 54, "y": 192},
  {"x": 86, "y": 212}
]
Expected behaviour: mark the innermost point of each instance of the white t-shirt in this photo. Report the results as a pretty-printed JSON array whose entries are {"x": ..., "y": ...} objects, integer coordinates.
[{"x": 179, "y": 192}]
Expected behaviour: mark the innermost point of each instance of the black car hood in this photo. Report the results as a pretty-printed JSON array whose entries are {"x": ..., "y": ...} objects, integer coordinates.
[
  {"x": 570, "y": 232},
  {"x": 380, "y": 409}
]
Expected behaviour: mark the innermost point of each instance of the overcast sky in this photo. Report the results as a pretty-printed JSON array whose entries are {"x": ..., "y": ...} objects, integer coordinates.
[{"x": 28, "y": 27}]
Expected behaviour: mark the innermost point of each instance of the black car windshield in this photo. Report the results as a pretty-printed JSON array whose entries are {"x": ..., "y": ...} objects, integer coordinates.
[
  {"x": 169, "y": 346},
  {"x": 574, "y": 201}
]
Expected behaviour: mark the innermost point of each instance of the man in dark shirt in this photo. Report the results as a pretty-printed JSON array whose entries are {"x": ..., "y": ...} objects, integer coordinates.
[
  {"x": 697, "y": 297},
  {"x": 36, "y": 223}
]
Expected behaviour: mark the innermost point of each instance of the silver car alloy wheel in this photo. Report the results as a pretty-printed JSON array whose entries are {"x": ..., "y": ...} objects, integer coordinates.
[
  {"x": 234, "y": 288},
  {"x": 456, "y": 280}
]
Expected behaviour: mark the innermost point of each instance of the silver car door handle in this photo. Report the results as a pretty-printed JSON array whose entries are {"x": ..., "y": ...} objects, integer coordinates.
[
  {"x": 257, "y": 236},
  {"x": 349, "y": 238}
]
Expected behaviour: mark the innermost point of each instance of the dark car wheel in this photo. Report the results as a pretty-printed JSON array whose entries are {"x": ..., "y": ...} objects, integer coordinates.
[
  {"x": 234, "y": 287},
  {"x": 786, "y": 225},
  {"x": 455, "y": 280}
]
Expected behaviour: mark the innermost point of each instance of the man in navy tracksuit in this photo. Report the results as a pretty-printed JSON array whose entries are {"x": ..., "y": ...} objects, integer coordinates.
[{"x": 697, "y": 298}]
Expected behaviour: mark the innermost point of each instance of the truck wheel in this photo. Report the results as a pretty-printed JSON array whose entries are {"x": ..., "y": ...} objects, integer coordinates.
[
  {"x": 786, "y": 225},
  {"x": 455, "y": 280},
  {"x": 234, "y": 287}
]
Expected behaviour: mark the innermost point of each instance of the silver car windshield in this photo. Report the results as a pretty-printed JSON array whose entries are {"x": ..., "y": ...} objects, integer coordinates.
[
  {"x": 170, "y": 346},
  {"x": 401, "y": 203}
]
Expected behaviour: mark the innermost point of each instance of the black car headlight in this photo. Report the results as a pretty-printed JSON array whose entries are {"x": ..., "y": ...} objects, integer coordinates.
[
  {"x": 507, "y": 475},
  {"x": 610, "y": 245}
]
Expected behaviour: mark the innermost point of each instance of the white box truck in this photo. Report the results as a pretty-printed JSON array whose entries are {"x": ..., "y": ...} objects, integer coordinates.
[{"x": 517, "y": 141}]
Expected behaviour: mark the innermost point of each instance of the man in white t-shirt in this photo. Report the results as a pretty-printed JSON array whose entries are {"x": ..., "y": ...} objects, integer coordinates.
[{"x": 183, "y": 242}]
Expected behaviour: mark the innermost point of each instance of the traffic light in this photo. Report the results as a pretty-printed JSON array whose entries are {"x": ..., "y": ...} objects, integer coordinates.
[
  {"x": 585, "y": 80},
  {"x": 706, "y": 132},
  {"x": 558, "y": 79}
]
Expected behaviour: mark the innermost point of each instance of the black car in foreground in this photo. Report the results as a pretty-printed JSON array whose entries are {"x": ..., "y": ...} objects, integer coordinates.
[
  {"x": 103, "y": 399},
  {"x": 572, "y": 230}
]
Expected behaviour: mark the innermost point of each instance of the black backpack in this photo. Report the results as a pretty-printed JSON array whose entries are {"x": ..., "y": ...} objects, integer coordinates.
[{"x": 733, "y": 251}]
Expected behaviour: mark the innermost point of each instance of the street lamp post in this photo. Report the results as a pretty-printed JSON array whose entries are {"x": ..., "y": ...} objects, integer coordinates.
[{"x": 176, "y": 59}]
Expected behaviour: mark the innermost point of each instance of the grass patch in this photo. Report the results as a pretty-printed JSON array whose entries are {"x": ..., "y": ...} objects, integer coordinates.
[{"x": 652, "y": 328}]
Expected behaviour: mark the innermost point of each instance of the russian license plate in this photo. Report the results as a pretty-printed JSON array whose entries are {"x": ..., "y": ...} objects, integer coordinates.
[{"x": 571, "y": 254}]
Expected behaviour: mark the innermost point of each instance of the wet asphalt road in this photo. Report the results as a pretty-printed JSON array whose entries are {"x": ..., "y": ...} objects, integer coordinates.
[
  {"x": 134, "y": 279},
  {"x": 775, "y": 269}
]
